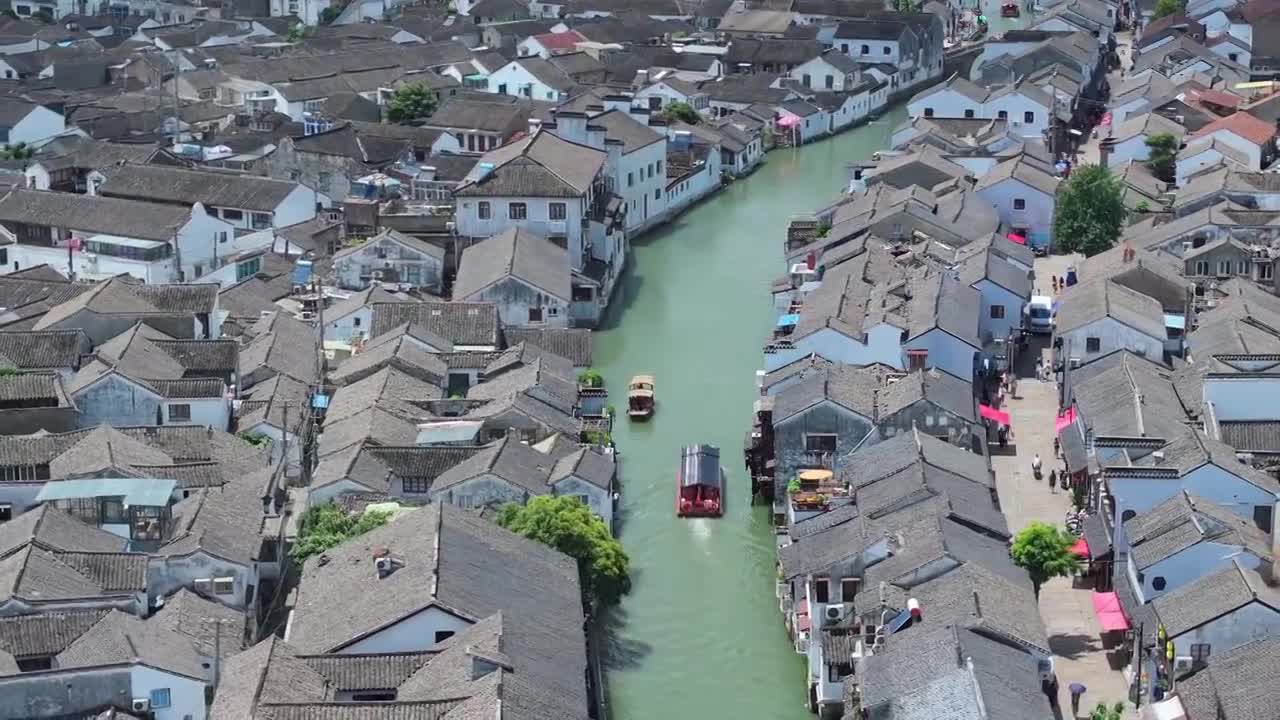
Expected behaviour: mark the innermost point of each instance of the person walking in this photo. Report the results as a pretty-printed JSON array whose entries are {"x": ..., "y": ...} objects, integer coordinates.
[
  {"x": 1035, "y": 466},
  {"x": 1053, "y": 481},
  {"x": 1077, "y": 692}
]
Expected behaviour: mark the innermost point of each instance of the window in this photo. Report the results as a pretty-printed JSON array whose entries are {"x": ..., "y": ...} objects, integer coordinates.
[
  {"x": 6, "y": 512},
  {"x": 203, "y": 586},
  {"x": 1199, "y": 653},
  {"x": 557, "y": 211},
  {"x": 820, "y": 442},
  {"x": 917, "y": 359},
  {"x": 322, "y": 182},
  {"x": 830, "y": 82},
  {"x": 1158, "y": 582},
  {"x": 160, "y": 698},
  {"x": 1202, "y": 267},
  {"x": 1224, "y": 267},
  {"x": 1128, "y": 515},
  {"x": 367, "y": 697},
  {"x": 969, "y": 113},
  {"x": 535, "y": 314},
  {"x": 807, "y": 81},
  {"x": 1019, "y": 204},
  {"x": 248, "y": 268},
  {"x": 928, "y": 112},
  {"x": 887, "y": 51},
  {"x": 416, "y": 485},
  {"x": 997, "y": 312},
  {"x": 1028, "y": 116},
  {"x": 232, "y": 215},
  {"x": 517, "y": 211},
  {"x": 483, "y": 210},
  {"x": 261, "y": 221},
  {"x": 1242, "y": 267},
  {"x": 179, "y": 412},
  {"x": 1264, "y": 270},
  {"x": 1092, "y": 344},
  {"x": 866, "y": 49},
  {"x": 848, "y": 589},
  {"x": 1261, "y": 517},
  {"x": 659, "y": 166},
  {"x": 224, "y": 586},
  {"x": 1002, "y": 114},
  {"x": 631, "y": 179},
  {"x": 844, "y": 48},
  {"x": 442, "y": 635},
  {"x": 657, "y": 194},
  {"x": 822, "y": 590}
]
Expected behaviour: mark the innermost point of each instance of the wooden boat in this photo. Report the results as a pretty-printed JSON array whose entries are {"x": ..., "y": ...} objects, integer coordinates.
[
  {"x": 1010, "y": 10},
  {"x": 699, "y": 482},
  {"x": 640, "y": 398}
]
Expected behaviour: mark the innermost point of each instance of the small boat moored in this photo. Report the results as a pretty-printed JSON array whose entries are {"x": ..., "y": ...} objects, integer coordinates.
[
  {"x": 640, "y": 397},
  {"x": 699, "y": 482}
]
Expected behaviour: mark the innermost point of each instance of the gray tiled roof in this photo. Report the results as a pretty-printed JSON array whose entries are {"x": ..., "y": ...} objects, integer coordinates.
[
  {"x": 396, "y": 350},
  {"x": 587, "y": 464},
  {"x": 1236, "y": 685},
  {"x": 36, "y": 575},
  {"x": 507, "y": 459},
  {"x": 163, "y": 183},
  {"x": 1213, "y": 596},
  {"x": 56, "y": 530},
  {"x": 1184, "y": 520},
  {"x": 186, "y": 613},
  {"x": 121, "y": 639},
  {"x": 32, "y": 387},
  {"x": 463, "y": 324},
  {"x": 226, "y": 522},
  {"x": 389, "y": 390},
  {"x": 932, "y": 386},
  {"x": 543, "y": 165},
  {"x": 269, "y": 671},
  {"x": 469, "y": 566},
  {"x": 281, "y": 344},
  {"x": 367, "y": 672},
  {"x": 854, "y": 389},
  {"x": 573, "y": 344},
  {"x": 45, "y": 634},
  {"x": 40, "y": 350},
  {"x": 515, "y": 253},
  {"x": 95, "y": 214}
]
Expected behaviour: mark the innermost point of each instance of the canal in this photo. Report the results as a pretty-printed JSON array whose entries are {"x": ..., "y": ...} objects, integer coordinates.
[{"x": 701, "y": 636}]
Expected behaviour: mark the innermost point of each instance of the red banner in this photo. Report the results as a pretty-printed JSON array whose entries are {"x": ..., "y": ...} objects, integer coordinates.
[{"x": 991, "y": 413}]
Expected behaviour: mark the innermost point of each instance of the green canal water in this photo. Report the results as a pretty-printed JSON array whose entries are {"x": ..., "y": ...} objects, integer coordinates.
[{"x": 701, "y": 635}]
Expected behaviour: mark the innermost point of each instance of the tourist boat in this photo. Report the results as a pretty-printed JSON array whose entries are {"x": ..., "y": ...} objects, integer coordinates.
[
  {"x": 640, "y": 397},
  {"x": 1010, "y": 10},
  {"x": 699, "y": 482}
]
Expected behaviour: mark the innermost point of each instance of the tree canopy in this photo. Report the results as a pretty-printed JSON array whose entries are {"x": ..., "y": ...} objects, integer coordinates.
[
  {"x": 1044, "y": 551},
  {"x": 411, "y": 102},
  {"x": 1090, "y": 211},
  {"x": 325, "y": 526},
  {"x": 681, "y": 111},
  {"x": 1104, "y": 712},
  {"x": 1164, "y": 8},
  {"x": 567, "y": 525},
  {"x": 1162, "y": 155}
]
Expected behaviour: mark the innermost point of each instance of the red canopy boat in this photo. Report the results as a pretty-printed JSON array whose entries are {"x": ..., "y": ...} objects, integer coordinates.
[{"x": 699, "y": 482}]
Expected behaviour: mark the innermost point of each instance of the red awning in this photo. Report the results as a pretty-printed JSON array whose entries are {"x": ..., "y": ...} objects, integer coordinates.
[
  {"x": 802, "y": 622},
  {"x": 1107, "y": 606},
  {"x": 991, "y": 413},
  {"x": 1017, "y": 238},
  {"x": 1064, "y": 420},
  {"x": 1081, "y": 548}
]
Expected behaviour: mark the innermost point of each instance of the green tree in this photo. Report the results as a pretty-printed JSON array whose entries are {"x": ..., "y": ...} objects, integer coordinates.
[
  {"x": 20, "y": 151},
  {"x": 1090, "y": 211},
  {"x": 681, "y": 111},
  {"x": 1164, "y": 8},
  {"x": 1102, "y": 712},
  {"x": 905, "y": 5},
  {"x": 329, "y": 14},
  {"x": 591, "y": 378},
  {"x": 1163, "y": 152},
  {"x": 326, "y": 526},
  {"x": 1044, "y": 552},
  {"x": 567, "y": 525},
  {"x": 297, "y": 33},
  {"x": 410, "y": 102}
]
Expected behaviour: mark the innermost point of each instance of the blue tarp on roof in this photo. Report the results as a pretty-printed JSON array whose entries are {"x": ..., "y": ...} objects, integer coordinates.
[
  {"x": 320, "y": 401},
  {"x": 302, "y": 272},
  {"x": 1175, "y": 321},
  {"x": 788, "y": 320}
]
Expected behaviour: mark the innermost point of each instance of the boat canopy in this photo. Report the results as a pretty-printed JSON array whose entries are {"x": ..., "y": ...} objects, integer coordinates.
[
  {"x": 700, "y": 465},
  {"x": 641, "y": 385}
]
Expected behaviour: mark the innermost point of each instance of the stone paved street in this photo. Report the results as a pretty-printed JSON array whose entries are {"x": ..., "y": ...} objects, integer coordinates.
[{"x": 1074, "y": 633}]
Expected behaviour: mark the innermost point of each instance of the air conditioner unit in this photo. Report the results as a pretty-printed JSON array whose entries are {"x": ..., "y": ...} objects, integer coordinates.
[
  {"x": 308, "y": 315},
  {"x": 834, "y": 613},
  {"x": 141, "y": 705},
  {"x": 1181, "y": 664},
  {"x": 1075, "y": 363}
]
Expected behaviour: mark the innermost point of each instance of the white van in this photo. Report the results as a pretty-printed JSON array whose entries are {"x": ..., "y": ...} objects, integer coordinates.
[{"x": 1037, "y": 315}]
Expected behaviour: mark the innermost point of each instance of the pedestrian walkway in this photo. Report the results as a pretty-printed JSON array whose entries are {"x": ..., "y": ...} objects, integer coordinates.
[{"x": 1074, "y": 632}]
